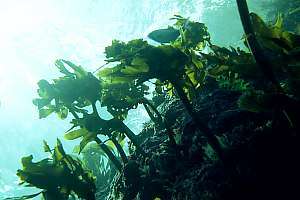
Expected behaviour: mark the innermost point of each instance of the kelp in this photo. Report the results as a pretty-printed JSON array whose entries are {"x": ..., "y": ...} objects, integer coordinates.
[
  {"x": 266, "y": 73},
  {"x": 59, "y": 176},
  {"x": 89, "y": 126},
  {"x": 232, "y": 81},
  {"x": 274, "y": 50},
  {"x": 290, "y": 9},
  {"x": 193, "y": 35},
  {"x": 102, "y": 168},
  {"x": 74, "y": 93},
  {"x": 171, "y": 64},
  {"x": 120, "y": 98}
]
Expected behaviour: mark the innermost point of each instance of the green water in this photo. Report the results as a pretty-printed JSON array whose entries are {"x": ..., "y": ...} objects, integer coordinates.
[{"x": 35, "y": 33}]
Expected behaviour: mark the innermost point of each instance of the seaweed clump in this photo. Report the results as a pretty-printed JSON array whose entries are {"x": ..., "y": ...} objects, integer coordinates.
[
  {"x": 223, "y": 120},
  {"x": 58, "y": 177}
]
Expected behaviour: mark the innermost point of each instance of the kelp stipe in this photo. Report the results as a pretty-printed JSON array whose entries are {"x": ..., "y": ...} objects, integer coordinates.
[{"x": 183, "y": 69}]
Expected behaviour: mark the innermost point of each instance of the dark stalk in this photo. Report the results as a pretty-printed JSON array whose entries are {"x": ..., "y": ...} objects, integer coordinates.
[
  {"x": 115, "y": 123},
  {"x": 75, "y": 115},
  {"x": 119, "y": 125},
  {"x": 150, "y": 108},
  {"x": 259, "y": 54},
  {"x": 109, "y": 154},
  {"x": 103, "y": 146},
  {"x": 150, "y": 114},
  {"x": 212, "y": 140},
  {"x": 112, "y": 138},
  {"x": 158, "y": 119},
  {"x": 119, "y": 148},
  {"x": 262, "y": 59},
  {"x": 191, "y": 82}
]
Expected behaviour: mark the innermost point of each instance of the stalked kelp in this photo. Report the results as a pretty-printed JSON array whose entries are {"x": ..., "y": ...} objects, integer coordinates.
[
  {"x": 260, "y": 75},
  {"x": 59, "y": 176},
  {"x": 120, "y": 97},
  {"x": 73, "y": 93},
  {"x": 276, "y": 52},
  {"x": 235, "y": 98},
  {"x": 94, "y": 159},
  {"x": 141, "y": 62},
  {"x": 289, "y": 9}
]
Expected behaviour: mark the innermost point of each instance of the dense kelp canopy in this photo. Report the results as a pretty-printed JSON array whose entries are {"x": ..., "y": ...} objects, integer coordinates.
[
  {"x": 35, "y": 34},
  {"x": 175, "y": 76}
]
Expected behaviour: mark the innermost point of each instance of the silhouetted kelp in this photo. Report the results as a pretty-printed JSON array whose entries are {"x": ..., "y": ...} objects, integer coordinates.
[
  {"x": 59, "y": 176},
  {"x": 265, "y": 75}
]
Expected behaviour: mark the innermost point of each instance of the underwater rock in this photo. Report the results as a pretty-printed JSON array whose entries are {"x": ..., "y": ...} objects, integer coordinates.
[{"x": 260, "y": 161}]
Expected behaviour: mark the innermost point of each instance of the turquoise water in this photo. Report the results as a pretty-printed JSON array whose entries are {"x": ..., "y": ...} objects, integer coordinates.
[{"x": 35, "y": 33}]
